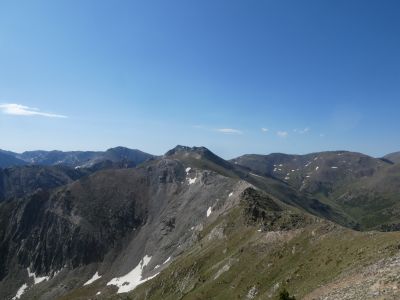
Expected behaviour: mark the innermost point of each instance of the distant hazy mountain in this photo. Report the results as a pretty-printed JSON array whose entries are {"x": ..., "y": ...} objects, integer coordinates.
[
  {"x": 7, "y": 159},
  {"x": 74, "y": 158},
  {"x": 393, "y": 157}
]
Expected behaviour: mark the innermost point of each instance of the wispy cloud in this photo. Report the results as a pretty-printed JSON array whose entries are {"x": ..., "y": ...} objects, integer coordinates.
[
  {"x": 282, "y": 134},
  {"x": 302, "y": 131},
  {"x": 263, "y": 129},
  {"x": 229, "y": 131},
  {"x": 22, "y": 110}
]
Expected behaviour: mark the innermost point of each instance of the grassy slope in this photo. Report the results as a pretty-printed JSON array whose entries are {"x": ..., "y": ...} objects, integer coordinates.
[
  {"x": 373, "y": 202},
  {"x": 300, "y": 260},
  {"x": 312, "y": 253},
  {"x": 362, "y": 192}
]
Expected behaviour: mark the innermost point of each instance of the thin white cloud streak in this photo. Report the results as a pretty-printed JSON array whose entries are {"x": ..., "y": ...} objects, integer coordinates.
[
  {"x": 229, "y": 131},
  {"x": 22, "y": 110},
  {"x": 282, "y": 134},
  {"x": 302, "y": 131},
  {"x": 264, "y": 129}
]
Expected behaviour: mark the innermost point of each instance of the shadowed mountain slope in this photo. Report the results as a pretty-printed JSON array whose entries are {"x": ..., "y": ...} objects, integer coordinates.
[{"x": 9, "y": 160}]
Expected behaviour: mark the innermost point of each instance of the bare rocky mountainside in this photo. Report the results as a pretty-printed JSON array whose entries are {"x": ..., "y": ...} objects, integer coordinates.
[{"x": 123, "y": 224}]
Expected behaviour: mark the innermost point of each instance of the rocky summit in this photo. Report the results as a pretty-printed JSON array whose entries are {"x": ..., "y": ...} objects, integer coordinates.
[{"x": 124, "y": 224}]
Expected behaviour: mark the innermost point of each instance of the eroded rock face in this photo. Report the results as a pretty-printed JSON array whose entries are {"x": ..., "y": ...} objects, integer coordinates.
[{"x": 112, "y": 218}]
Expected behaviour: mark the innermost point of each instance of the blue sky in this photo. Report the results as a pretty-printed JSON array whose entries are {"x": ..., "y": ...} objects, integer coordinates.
[{"x": 89, "y": 75}]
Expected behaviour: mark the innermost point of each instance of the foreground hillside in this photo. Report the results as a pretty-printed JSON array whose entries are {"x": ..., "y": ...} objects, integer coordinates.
[
  {"x": 190, "y": 225},
  {"x": 258, "y": 248}
]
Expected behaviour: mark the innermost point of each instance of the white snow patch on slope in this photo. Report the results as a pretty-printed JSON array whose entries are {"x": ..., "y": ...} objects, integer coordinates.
[
  {"x": 167, "y": 260},
  {"x": 230, "y": 194},
  {"x": 56, "y": 272},
  {"x": 224, "y": 269},
  {"x": 334, "y": 167},
  {"x": 255, "y": 175},
  {"x": 35, "y": 278},
  {"x": 20, "y": 291},
  {"x": 134, "y": 278},
  {"x": 191, "y": 181},
  {"x": 316, "y": 168},
  {"x": 93, "y": 279},
  {"x": 209, "y": 211}
]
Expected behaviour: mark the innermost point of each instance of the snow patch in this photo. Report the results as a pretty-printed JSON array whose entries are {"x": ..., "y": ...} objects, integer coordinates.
[
  {"x": 93, "y": 279},
  {"x": 36, "y": 279},
  {"x": 334, "y": 167},
  {"x": 224, "y": 269},
  {"x": 167, "y": 260},
  {"x": 209, "y": 211},
  {"x": 192, "y": 180},
  {"x": 134, "y": 278},
  {"x": 98, "y": 293},
  {"x": 56, "y": 272},
  {"x": 20, "y": 291},
  {"x": 316, "y": 168},
  {"x": 255, "y": 175},
  {"x": 230, "y": 194}
]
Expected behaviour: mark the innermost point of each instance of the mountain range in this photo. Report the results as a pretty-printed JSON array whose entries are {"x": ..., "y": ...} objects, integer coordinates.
[
  {"x": 124, "y": 224},
  {"x": 75, "y": 159}
]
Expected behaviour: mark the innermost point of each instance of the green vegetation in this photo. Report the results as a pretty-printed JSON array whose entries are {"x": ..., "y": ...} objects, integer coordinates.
[
  {"x": 302, "y": 257},
  {"x": 238, "y": 256},
  {"x": 284, "y": 295}
]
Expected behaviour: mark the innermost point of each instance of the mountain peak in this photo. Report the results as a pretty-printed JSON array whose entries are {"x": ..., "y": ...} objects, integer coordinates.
[{"x": 182, "y": 149}]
